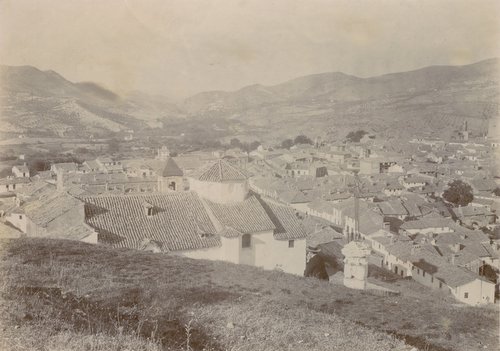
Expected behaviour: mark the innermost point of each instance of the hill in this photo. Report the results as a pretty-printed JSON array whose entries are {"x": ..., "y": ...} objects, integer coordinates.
[
  {"x": 420, "y": 102},
  {"x": 430, "y": 101},
  {"x": 60, "y": 294},
  {"x": 45, "y": 103}
]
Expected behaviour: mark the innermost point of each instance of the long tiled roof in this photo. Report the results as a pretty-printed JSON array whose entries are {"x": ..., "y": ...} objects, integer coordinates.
[
  {"x": 220, "y": 171},
  {"x": 428, "y": 223},
  {"x": 247, "y": 216},
  {"x": 179, "y": 220}
]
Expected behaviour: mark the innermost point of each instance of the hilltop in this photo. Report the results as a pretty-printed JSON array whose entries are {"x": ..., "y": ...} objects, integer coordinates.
[
  {"x": 45, "y": 103},
  {"x": 70, "y": 295},
  {"x": 417, "y": 102}
]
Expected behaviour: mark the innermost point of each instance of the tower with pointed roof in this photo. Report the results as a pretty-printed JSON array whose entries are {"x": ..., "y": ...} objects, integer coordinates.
[
  {"x": 170, "y": 178},
  {"x": 220, "y": 182}
]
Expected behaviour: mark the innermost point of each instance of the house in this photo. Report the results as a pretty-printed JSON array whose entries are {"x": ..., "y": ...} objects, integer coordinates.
[
  {"x": 423, "y": 262},
  {"x": 219, "y": 219},
  {"x": 393, "y": 208},
  {"x": 56, "y": 215},
  {"x": 21, "y": 171},
  {"x": 10, "y": 184},
  {"x": 65, "y": 167},
  {"x": 412, "y": 182},
  {"x": 477, "y": 216},
  {"x": 430, "y": 269},
  {"x": 428, "y": 225},
  {"x": 393, "y": 189}
]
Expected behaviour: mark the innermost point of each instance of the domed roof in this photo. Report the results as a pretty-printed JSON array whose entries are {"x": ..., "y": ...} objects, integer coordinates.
[
  {"x": 221, "y": 171},
  {"x": 172, "y": 169}
]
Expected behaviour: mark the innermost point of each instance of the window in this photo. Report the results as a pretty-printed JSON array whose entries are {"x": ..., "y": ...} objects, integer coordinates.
[
  {"x": 246, "y": 241},
  {"x": 20, "y": 216},
  {"x": 423, "y": 273},
  {"x": 440, "y": 285},
  {"x": 432, "y": 279},
  {"x": 150, "y": 211},
  {"x": 291, "y": 243},
  {"x": 466, "y": 295},
  {"x": 418, "y": 271}
]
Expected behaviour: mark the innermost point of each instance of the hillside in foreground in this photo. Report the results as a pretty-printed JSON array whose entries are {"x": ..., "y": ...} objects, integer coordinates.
[{"x": 62, "y": 295}]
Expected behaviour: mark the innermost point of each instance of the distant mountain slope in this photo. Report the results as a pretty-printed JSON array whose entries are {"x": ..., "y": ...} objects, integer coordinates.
[
  {"x": 46, "y": 102},
  {"x": 420, "y": 101},
  {"x": 427, "y": 102}
]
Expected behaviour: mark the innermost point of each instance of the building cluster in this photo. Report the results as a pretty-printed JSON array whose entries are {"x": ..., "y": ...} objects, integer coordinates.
[{"x": 257, "y": 208}]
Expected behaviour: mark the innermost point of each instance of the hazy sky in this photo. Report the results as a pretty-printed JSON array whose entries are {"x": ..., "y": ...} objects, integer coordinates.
[{"x": 180, "y": 47}]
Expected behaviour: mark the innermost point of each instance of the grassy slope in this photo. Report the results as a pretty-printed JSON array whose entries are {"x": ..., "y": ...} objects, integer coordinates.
[{"x": 59, "y": 295}]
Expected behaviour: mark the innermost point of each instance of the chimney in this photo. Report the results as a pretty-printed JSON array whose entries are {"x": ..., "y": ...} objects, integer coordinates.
[{"x": 453, "y": 256}]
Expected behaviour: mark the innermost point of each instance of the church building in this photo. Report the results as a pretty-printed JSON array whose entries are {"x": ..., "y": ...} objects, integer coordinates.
[{"x": 217, "y": 219}]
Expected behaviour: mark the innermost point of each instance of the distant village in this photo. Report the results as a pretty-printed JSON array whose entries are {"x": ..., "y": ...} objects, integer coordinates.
[{"x": 389, "y": 202}]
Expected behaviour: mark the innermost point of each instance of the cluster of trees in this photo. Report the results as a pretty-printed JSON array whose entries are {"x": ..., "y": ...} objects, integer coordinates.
[
  {"x": 458, "y": 193},
  {"x": 246, "y": 147},
  {"x": 355, "y": 137},
  {"x": 299, "y": 139}
]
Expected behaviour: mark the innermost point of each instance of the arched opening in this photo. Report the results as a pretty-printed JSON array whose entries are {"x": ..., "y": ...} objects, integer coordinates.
[{"x": 171, "y": 185}]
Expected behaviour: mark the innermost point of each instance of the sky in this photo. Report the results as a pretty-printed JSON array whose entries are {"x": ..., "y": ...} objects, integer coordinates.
[{"x": 178, "y": 48}]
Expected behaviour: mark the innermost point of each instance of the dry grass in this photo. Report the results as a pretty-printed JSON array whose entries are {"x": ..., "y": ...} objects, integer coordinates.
[{"x": 70, "y": 295}]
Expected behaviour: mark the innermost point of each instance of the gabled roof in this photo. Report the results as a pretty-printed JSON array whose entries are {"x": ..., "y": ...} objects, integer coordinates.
[
  {"x": 171, "y": 169},
  {"x": 288, "y": 226},
  {"x": 21, "y": 168},
  {"x": 247, "y": 216},
  {"x": 219, "y": 172},
  {"x": 45, "y": 210},
  {"x": 180, "y": 221}
]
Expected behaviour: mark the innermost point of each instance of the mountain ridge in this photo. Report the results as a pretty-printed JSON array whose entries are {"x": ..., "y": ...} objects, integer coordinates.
[{"x": 327, "y": 104}]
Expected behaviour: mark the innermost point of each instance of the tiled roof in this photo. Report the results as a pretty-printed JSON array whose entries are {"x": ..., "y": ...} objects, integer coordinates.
[
  {"x": 427, "y": 223},
  {"x": 220, "y": 171},
  {"x": 9, "y": 181},
  {"x": 247, "y": 216},
  {"x": 432, "y": 263},
  {"x": 288, "y": 226},
  {"x": 172, "y": 169},
  {"x": 46, "y": 210},
  {"x": 392, "y": 207},
  {"x": 320, "y": 206},
  {"x": 76, "y": 232},
  {"x": 66, "y": 166},
  {"x": 179, "y": 220},
  {"x": 294, "y": 197}
]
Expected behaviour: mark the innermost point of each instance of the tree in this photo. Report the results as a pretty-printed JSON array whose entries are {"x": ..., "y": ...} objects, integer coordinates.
[
  {"x": 235, "y": 142},
  {"x": 302, "y": 139},
  {"x": 254, "y": 145},
  {"x": 497, "y": 191},
  {"x": 287, "y": 144},
  {"x": 458, "y": 193},
  {"x": 356, "y": 136}
]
